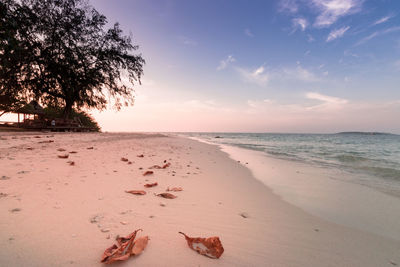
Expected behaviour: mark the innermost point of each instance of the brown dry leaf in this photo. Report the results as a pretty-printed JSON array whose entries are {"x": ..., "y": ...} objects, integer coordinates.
[
  {"x": 151, "y": 185},
  {"x": 175, "y": 189},
  {"x": 29, "y": 148},
  {"x": 140, "y": 156},
  {"x": 139, "y": 245},
  {"x": 148, "y": 173},
  {"x": 73, "y": 152},
  {"x": 61, "y": 149},
  {"x": 210, "y": 247},
  {"x": 136, "y": 192},
  {"x": 167, "y": 195},
  {"x": 47, "y": 141},
  {"x": 125, "y": 247},
  {"x": 124, "y": 159},
  {"x": 72, "y": 163},
  {"x": 166, "y": 165},
  {"x": 63, "y": 156},
  {"x": 90, "y": 147}
]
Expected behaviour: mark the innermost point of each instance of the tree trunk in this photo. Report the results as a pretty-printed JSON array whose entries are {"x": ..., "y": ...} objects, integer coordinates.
[{"x": 67, "y": 110}]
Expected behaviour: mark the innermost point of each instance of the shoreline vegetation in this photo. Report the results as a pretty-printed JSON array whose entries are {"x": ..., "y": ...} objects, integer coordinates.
[{"x": 46, "y": 200}]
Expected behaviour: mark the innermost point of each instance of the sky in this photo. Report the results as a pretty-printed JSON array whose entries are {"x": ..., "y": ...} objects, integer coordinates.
[{"x": 307, "y": 66}]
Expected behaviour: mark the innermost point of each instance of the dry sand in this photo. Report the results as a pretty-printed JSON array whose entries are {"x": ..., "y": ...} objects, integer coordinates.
[{"x": 55, "y": 214}]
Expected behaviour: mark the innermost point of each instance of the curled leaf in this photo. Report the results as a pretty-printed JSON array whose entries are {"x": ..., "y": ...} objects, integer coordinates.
[
  {"x": 175, "y": 189},
  {"x": 210, "y": 247},
  {"x": 151, "y": 185},
  {"x": 166, "y": 165},
  {"x": 124, "y": 248},
  {"x": 124, "y": 159},
  {"x": 136, "y": 192},
  {"x": 63, "y": 156},
  {"x": 72, "y": 163},
  {"x": 167, "y": 195},
  {"x": 140, "y": 156},
  {"x": 148, "y": 173},
  {"x": 159, "y": 167},
  {"x": 139, "y": 245}
]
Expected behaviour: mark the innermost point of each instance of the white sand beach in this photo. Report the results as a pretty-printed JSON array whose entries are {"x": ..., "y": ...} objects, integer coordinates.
[{"x": 57, "y": 214}]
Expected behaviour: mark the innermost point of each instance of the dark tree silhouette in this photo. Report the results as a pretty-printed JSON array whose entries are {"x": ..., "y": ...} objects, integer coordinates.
[{"x": 61, "y": 53}]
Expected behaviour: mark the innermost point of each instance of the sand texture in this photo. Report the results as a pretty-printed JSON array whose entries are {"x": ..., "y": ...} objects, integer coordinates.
[{"x": 62, "y": 203}]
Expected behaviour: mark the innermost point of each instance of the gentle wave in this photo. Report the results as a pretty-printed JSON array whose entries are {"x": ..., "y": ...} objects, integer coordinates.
[
  {"x": 351, "y": 158},
  {"x": 374, "y": 156}
]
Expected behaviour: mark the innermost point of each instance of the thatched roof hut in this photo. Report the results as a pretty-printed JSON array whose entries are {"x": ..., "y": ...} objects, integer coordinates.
[{"x": 32, "y": 108}]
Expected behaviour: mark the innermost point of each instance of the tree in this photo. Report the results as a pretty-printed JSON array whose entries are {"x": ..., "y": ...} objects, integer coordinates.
[
  {"x": 60, "y": 53},
  {"x": 11, "y": 55}
]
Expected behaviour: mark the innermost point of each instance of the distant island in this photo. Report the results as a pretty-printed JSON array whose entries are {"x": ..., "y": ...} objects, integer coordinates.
[{"x": 366, "y": 133}]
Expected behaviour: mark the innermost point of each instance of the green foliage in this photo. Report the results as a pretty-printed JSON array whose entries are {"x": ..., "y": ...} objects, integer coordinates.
[
  {"x": 86, "y": 119},
  {"x": 60, "y": 53}
]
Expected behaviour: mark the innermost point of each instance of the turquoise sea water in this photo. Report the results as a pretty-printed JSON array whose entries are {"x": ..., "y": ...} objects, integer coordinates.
[{"x": 371, "y": 159}]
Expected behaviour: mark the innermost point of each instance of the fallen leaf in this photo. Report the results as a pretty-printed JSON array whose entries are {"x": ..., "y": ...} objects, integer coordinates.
[
  {"x": 63, "y": 156},
  {"x": 73, "y": 152},
  {"x": 148, "y": 173},
  {"x": 61, "y": 149},
  {"x": 175, "y": 189},
  {"x": 140, "y": 156},
  {"x": 47, "y": 141},
  {"x": 210, "y": 247},
  {"x": 166, "y": 165},
  {"x": 90, "y": 147},
  {"x": 124, "y": 159},
  {"x": 136, "y": 192},
  {"x": 72, "y": 163},
  {"x": 151, "y": 185},
  {"x": 139, "y": 245},
  {"x": 166, "y": 195},
  {"x": 125, "y": 247},
  {"x": 29, "y": 148},
  {"x": 129, "y": 162}
]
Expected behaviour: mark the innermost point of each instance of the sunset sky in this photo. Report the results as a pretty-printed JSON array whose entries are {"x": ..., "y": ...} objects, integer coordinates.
[{"x": 262, "y": 66}]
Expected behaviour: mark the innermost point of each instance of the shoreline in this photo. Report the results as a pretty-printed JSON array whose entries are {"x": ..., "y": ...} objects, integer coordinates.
[
  {"x": 217, "y": 192},
  {"x": 327, "y": 193},
  {"x": 320, "y": 192}
]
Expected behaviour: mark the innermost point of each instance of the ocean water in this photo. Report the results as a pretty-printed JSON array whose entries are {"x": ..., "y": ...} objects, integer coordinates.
[{"x": 370, "y": 159}]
